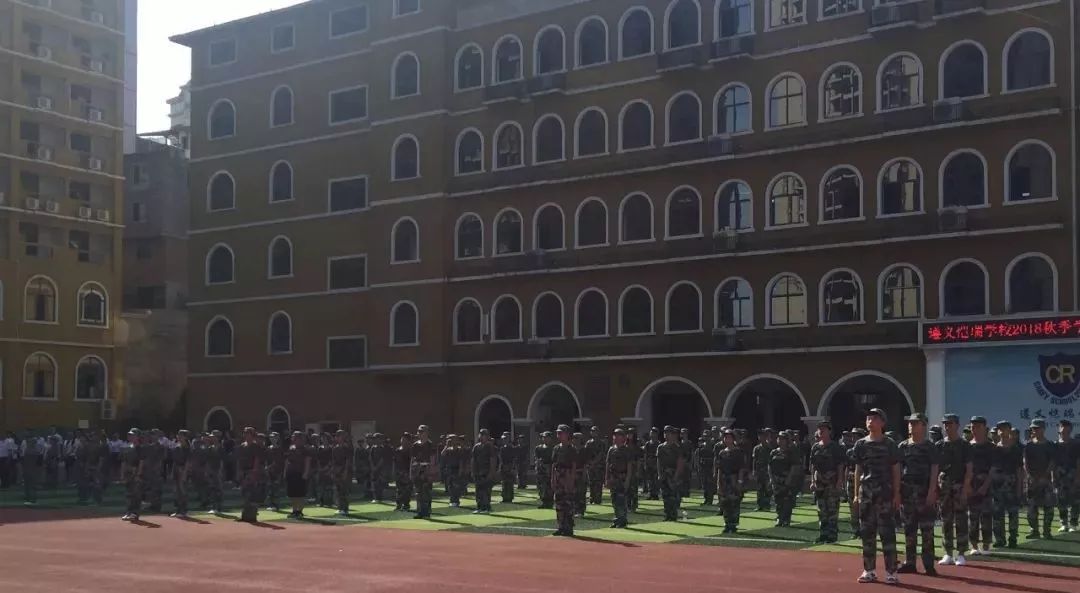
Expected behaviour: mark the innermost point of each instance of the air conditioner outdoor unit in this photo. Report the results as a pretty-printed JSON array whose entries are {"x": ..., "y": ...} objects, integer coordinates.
[
  {"x": 45, "y": 103},
  {"x": 728, "y": 236},
  {"x": 52, "y": 207},
  {"x": 104, "y": 215},
  {"x": 44, "y": 3},
  {"x": 44, "y": 153},
  {"x": 33, "y": 204},
  {"x": 108, "y": 410},
  {"x": 947, "y": 110},
  {"x": 95, "y": 163},
  {"x": 97, "y": 18},
  {"x": 97, "y": 66},
  {"x": 44, "y": 52},
  {"x": 884, "y": 15},
  {"x": 96, "y": 115},
  {"x": 953, "y": 219},
  {"x": 85, "y": 213}
]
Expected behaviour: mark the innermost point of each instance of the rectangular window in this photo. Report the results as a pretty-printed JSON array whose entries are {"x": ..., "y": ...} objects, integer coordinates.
[
  {"x": 348, "y": 21},
  {"x": 282, "y": 38},
  {"x": 79, "y": 190},
  {"x": 830, "y": 8},
  {"x": 347, "y": 272},
  {"x": 144, "y": 250},
  {"x": 348, "y": 105},
  {"x": 80, "y": 142},
  {"x": 348, "y": 194},
  {"x": 346, "y": 353},
  {"x": 404, "y": 7},
  {"x": 139, "y": 176},
  {"x": 137, "y": 212},
  {"x": 786, "y": 12},
  {"x": 222, "y": 52},
  {"x": 81, "y": 94}
]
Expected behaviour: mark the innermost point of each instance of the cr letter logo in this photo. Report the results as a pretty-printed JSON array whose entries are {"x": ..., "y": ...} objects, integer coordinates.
[{"x": 1059, "y": 373}]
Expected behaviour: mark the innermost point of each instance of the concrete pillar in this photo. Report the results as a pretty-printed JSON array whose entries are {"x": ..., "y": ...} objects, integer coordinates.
[{"x": 935, "y": 384}]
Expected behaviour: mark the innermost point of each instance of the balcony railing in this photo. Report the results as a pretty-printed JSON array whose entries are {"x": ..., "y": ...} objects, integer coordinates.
[
  {"x": 893, "y": 14},
  {"x": 953, "y": 6}
]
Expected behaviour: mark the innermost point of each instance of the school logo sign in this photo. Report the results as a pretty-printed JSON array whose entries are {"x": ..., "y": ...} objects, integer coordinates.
[{"x": 1059, "y": 379}]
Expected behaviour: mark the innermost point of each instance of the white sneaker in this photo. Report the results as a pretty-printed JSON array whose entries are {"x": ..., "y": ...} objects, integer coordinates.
[
  {"x": 1074, "y": 529},
  {"x": 891, "y": 578},
  {"x": 946, "y": 560},
  {"x": 973, "y": 552},
  {"x": 960, "y": 561},
  {"x": 867, "y": 576},
  {"x": 1063, "y": 529}
]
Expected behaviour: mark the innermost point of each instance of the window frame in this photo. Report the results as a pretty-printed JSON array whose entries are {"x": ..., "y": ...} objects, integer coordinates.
[
  {"x": 536, "y": 228},
  {"x": 367, "y": 273},
  {"x": 562, "y": 316},
  {"x": 667, "y": 25},
  {"x": 771, "y": 27},
  {"x": 104, "y": 379},
  {"x": 577, "y": 133},
  {"x": 881, "y": 185},
  {"x": 329, "y": 194},
  {"x": 577, "y": 315},
  {"x": 209, "y": 192},
  {"x": 273, "y": 106},
  {"x": 821, "y": 195},
  {"x": 749, "y": 106},
  {"x": 330, "y": 105},
  {"x": 397, "y": 14},
  {"x": 210, "y": 63},
  {"x": 667, "y": 310},
  {"x": 210, "y": 120},
  {"x": 652, "y": 33},
  {"x": 55, "y": 373},
  {"x": 394, "y": 76},
  {"x": 716, "y": 22},
  {"x": 457, "y": 153},
  {"x": 770, "y": 323},
  {"x": 364, "y": 29},
  {"x": 652, "y": 312},
  {"x": 577, "y": 224},
  {"x": 881, "y": 290},
  {"x": 232, "y": 337},
  {"x": 270, "y": 259},
  {"x": 667, "y": 215},
  {"x": 1005, "y": 90},
  {"x": 495, "y": 146},
  {"x": 209, "y": 255},
  {"x": 494, "y": 80},
  {"x": 769, "y": 127},
  {"x": 455, "y": 325},
  {"x": 521, "y": 321},
  {"x": 716, "y": 207},
  {"x": 55, "y": 299},
  {"x": 270, "y": 334},
  {"x": 457, "y": 68},
  {"x": 393, "y": 241},
  {"x": 652, "y": 219},
  {"x": 457, "y": 237},
  {"x": 1055, "y": 306},
  {"x": 861, "y": 304},
  {"x": 941, "y": 179},
  {"x": 273, "y": 37},
  {"x": 1053, "y": 197},
  {"x": 821, "y": 17},
  {"x": 536, "y": 138},
  {"x": 521, "y": 231},
  {"x": 769, "y": 225},
  {"x": 292, "y": 183},
  {"x": 394, "y": 176},
  {"x": 667, "y": 119},
  {"x": 879, "y": 81},
  {"x": 367, "y": 360},
  {"x": 941, "y": 288},
  {"x": 985, "y": 70},
  {"x": 716, "y": 304},
  {"x": 87, "y": 288},
  {"x": 536, "y": 52},
  {"x": 577, "y": 42},
  {"x": 823, "y": 116},
  {"x": 652, "y": 127},
  {"x": 393, "y": 325}
]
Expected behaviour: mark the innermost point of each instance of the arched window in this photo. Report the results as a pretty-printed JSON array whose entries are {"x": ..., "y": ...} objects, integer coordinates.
[
  {"x": 636, "y": 126},
  {"x": 963, "y": 289},
  {"x": 549, "y": 228},
  {"x": 683, "y": 308},
  {"x": 1032, "y": 285},
  {"x": 281, "y": 258},
  {"x": 841, "y": 195},
  {"x": 405, "y": 242},
  {"x": 406, "y": 163},
  {"x": 507, "y": 60},
  {"x": 281, "y": 182},
  {"x": 787, "y": 103},
  {"x": 1029, "y": 61},
  {"x": 506, "y": 315},
  {"x": 221, "y": 193},
  {"x": 93, "y": 305},
  {"x": 963, "y": 71},
  {"x": 469, "y": 73},
  {"x": 281, "y": 107},
  {"x": 963, "y": 180},
  {"x": 590, "y": 134},
  {"x": 1031, "y": 174},
  {"x": 684, "y": 118},
  {"x": 468, "y": 319},
  {"x": 841, "y": 90},
  {"x": 901, "y": 188},
  {"x": 684, "y": 213},
  {"x": 219, "y": 337},
  {"x": 550, "y": 44},
  {"x": 783, "y": 13},
  {"x": 787, "y": 301},
  {"x": 787, "y": 201},
  {"x": 900, "y": 83},
  {"x": 734, "y": 17},
  {"x": 91, "y": 379},
  {"x": 733, "y": 110},
  {"x": 39, "y": 377},
  {"x": 279, "y": 421},
  {"x": 734, "y": 207},
  {"x": 683, "y": 26},
  {"x": 548, "y": 140},
  {"x": 591, "y": 315},
  {"x": 635, "y": 312},
  {"x": 469, "y": 237},
  {"x": 470, "y": 152},
  {"x": 280, "y": 338},
  {"x": 841, "y": 297},
  {"x": 636, "y": 33},
  {"x": 222, "y": 121},
  {"x": 40, "y": 302},
  {"x": 592, "y": 224},
  {"x": 635, "y": 219},
  {"x": 734, "y": 304},
  {"x": 404, "y": 325},
  {"x": 901, "y": 293},
  {"x": 592, "y": 45},
  {"x": 405, "y": 76},
  {"x": 548, "y": 316},
  {"x": 508, "y": 146},
  {"x": 508, "y": 233},
  {"x": 220, "y": 266}
]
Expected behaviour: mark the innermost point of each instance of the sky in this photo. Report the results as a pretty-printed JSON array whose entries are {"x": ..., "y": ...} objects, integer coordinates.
[{"x": 164, "y": 65}]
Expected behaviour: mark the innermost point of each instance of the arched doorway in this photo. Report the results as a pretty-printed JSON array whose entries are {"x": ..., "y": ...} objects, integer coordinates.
[
  {"x": 552, "y": 405},
  {"x": 848, "y": 399},
  {"x": 766, "y": 401},
  {"x": 218, "y": 419},
  {"x": 675, "y": 401},
  {"x": 494, "y": 414},
  {"x": 279, "y": 421}
]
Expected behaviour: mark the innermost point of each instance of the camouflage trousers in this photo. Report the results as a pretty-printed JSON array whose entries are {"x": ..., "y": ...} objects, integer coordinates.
[
  {"x": 1068, "y": 497},
  {"x": 849, "y": 488},
  {"x": 730, "y": 498},
  {"x": 785, "y": 502},
  {"x": 484, "y": 485},
  {"x": 325, "y": 493},
  {"x": 379, "y": 482},
  {"x": 1040, "y": 497},
  {"x": 365, "y": 484},
  {"x": 214, "y": 496},
  {"x": 454, "y": 483},
  {"x": 954, "y": 517},
  {"x": 1005, "y": 502},
  {"x": 543, "y": 485},
  {"x": 509, "y": 478},
  {"x": 31, "y": 474},
  {"x": 153, "y": 487},
  {"x": 180, "y": 491},
  {"x": 596, "y": 484},
  {"x": 684, "y": 482},
  {"x": 878, "y": 521},
  {"x": 980, "y": 512},
  {"x": 273, "y": 488},
  {"x": 919, "y": 520},
  {"x": 565, "y": 491},
  {"x": 632, "y": 494},
  {"x": 827, "y": 498},
  {"x": 619, "y": 501},
  {"x": 522, "y": 476},
  {"x": 650, "y": 485},
  {"x": 342, "y": 481},
  {"x": 669, "y": 493},
  {"x": 197, "y": 477},
  {"x": 133, "y": 491},
  {"x": 404, "y": 490},
  {"x": 421, "y": 476},
  {"x": 90, "y": 484},
  {"x": 707, "y": 480},
  {"x": 764, "y": 491},
  {"x": 581, "y": 491},
  {"x": 251, "y": 485}
]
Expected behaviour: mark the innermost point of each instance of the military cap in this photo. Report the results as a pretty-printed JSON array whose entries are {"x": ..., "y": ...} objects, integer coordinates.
[
  {"x": 156, "y": 431},
  {"x": 261, "y": 435},
  {"x": 770, "y": 430},
  {"x": 215, "y": 433},
  {"x": 1003, "y": 424},
  {"x": 727, "y": 432},
  {"x": 879, "y": 413},
  {"x": 484, "y": 431},
  {"x": 845, "y": 432},
  {"x": 562, "y": 428},
  {"x": 917, "y": 417},
  {"x": 784, "y": 434},
  {"x": 422, "y": 428},
  {"x": 978, "y": 420},
  {"x": 274, "y": 435},
  {"x": 407, "y": 435},
  {"x": 619, "y": 431},
  {"x": 547, "y": 433},
  {"x": 859, "y": 431},
  {"x": 297, "y": 433},
  {"x": 249, "y": 429},
  {"x": 506, "y": 433},
  {"x": 682, "y": 430},
  {"x": 340, "y": 432},
  {"x": 1038, "y": 423},
  {"x": 1065, "y": 423},
  {"x": 183, "y": 432},
  {"x": 631, "y": 429},
  {"x": 654, "y": 429},
  {"x": 824, "y": 424},
  {"x": 578, "y": 435},
  {"x": 669, "y": 428},
  {"x": 135, "y": 431},
  {"x": 596, "y": 428},
  {"x": 950, "y": 418}
]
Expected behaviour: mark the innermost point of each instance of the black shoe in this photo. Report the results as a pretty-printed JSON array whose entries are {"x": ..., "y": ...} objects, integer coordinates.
[
  {"x": 821, "y": 540},
  {"x": 929, "y": 570},
  {"x": 615, "y": 525},
  {"x": 1034, "y": 534},
  {"x": 559, "y": 533},
  {"x": 1047, "y": 534},
  {"x": 999, "y": 545},
  {"x": 1012, "y": 543},
  {"x": 421, "y": 516},
  {"x": 907, "y": 568}
]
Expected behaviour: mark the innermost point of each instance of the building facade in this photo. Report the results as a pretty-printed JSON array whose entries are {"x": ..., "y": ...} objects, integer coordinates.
[
  {"x": 180, "y": 118},
  {"x": 513, "y": 214},
  {"x": 61, "y": 180}
]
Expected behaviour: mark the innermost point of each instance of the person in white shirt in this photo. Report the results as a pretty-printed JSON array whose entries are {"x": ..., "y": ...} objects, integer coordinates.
[
  {"x": 7, "y": 460},
  {"x": 31, "y": 452}
]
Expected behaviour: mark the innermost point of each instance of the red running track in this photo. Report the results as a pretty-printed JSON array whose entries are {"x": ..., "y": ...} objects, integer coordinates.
[{"x": 166, "y": 555}]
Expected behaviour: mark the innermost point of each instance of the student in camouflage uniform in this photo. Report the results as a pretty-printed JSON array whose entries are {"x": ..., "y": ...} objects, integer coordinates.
[
  {"x": 341, "y": 457},
  {"x": 686, "y": 450},
  {"x": 1039, "y": 457},
  {"x": 619, "y": 464},
  {"x": 784, "y": 470},
  {"x": 91, "y": 457},
  {"x": 507, "y": 467},
  {"x": 366, "y": 484},
  {"x": 669, "y": 470},
  {"x": 325, "y": 455},
  {"x": 543, "y": 470},
  {"x": 403, "y": 482},
  {"x": 564, "y": 460},
  {"x": 729, "y": 463},
  {"x": 918, "y": 491},
  {"x": 856, "y": 434},
  {"x": 131, "y": 471},
  {"x": 53, "y": 455},
  {"x": 581, "y": 483},
  {"x": 214, "y": 473},
  {"x": 954, "y": 487},
  {"x": 827, "y": 462},
  {"x": 249, "y": 469},
  {"x": 152, "y": 479},
  {"x": 484, "y": 467},
  {"x": 703, "y": 463},
  {"x": 522, "y": 462},
  {"x": 650, "y": 485},
  {"x": 181, "y": 466},
  {"x": 454, "y": 464},
  {"x": 383, "y": 457},
  {"x": 637, "y": 463},
  {"x": 297, "y": 472},
  {"x": 1007, "y": 485},
  {"x": 596, "y": 454},
  {"x": 981, "y": 501},
  {"x": 197, "y": 470},
  {"x": 1067, "y": 478},
  {"x": 275, "y": 471},
  {"x": 423, "y": 470},
  {"x": 761, "y": 455},
  {"x": 877, "y": 477}
]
